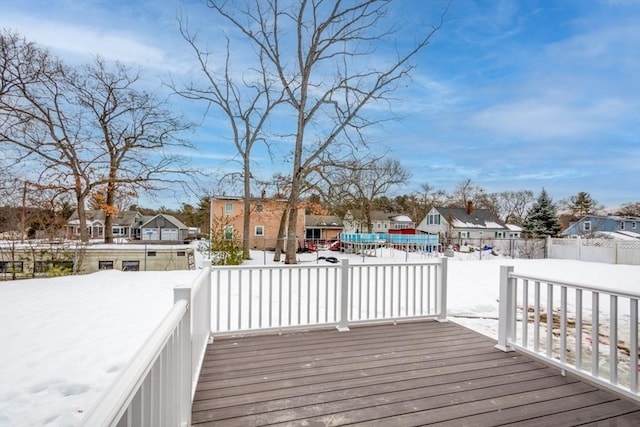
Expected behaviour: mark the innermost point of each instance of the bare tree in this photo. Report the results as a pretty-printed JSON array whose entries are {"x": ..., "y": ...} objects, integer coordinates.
[
  {"x": 467, "y": 192},
  {"x": 36, "y": 120},
  {"x": 137, "y": 138},
  {"x": 321, "y": 54},
  {"x": 512, "y": 205},
  {"x": 85, "y": 130},
  {"x": 246, "y": 105},
  {"x": 362, "y": 183}
]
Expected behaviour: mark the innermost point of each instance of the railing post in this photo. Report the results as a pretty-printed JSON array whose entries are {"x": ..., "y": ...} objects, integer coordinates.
[
  {"x": 506, "y": 310},
  {"x": 343, "y": 322},
  {"x": 442, "y": 285},
  {"x": 184, "y": 368}
]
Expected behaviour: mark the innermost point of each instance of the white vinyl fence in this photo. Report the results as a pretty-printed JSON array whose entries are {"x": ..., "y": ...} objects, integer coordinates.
[
  {"x": 596, "y": 250},
  {"x": 158, "y": 385},
  {"x": 590, "y": 332},
  {"x": 280, "y": 297}
]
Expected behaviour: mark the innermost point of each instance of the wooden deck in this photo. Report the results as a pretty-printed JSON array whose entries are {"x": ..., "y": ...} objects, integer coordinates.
[{"x": 421, "y": 373}]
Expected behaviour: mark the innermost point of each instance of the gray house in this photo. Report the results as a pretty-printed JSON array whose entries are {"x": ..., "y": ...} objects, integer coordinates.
[
  {"x": 126, "y": 224},
  {"x": 461, "y": 223},
  {"x": 164, "y": 227},
  {"x": 605, "y": 226}
]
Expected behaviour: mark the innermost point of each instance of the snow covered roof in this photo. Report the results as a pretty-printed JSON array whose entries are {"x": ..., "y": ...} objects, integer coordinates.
[{"x": 478, "y": 218}]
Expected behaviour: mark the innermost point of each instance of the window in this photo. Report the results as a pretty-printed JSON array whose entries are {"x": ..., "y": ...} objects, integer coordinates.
[
  {"x": 130, "y": 265},
  {"x": 621, "y": 225},
  {"x": 228, "y": 208},
  {"x": 463, "y": 234},
  {"x": 151, "y": 253},
  {"x": 586, "y": 226},
  {"x": 259, "y": 230},
  {"x": 433, "y": 219},
  {"x": 313, "y": 233},
  {"x": 259, "y": 207},
  {"x": 633, "y": 225},
  {"x": 11, "y": 267},
  {"x": 499, "y": 234},
  {"x": 182, "y": 253},
  {"x": 228, "y": 232},
  {"x": 105, "y": 265}
]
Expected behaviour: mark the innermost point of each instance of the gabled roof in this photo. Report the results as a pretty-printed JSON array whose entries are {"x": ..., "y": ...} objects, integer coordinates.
[
  {"x": 172, "y": 219},
  {"x": 479, "y": 218},
  {"x": 323, "y": 221},
  {"x": 120, "y": 218}
]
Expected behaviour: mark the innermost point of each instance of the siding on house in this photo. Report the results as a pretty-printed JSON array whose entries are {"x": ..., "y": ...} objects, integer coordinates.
[
  {"x": 322, "y": 227},
  {"x": 164, "y": 227},
  {"x": 467, "y": 222},
  {"x": 592, "y": 225},
  {"x": 264, "y": 219}
]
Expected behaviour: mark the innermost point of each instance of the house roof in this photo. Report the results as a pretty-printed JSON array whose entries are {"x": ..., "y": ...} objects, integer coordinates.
[
  {"x": 121, "y": 218},
  {"x": 323, "y": 221},
  {"x": 172, "y": 219},
  {"x": 479, "y": 218},
  {"x": 382, "y": 216}
]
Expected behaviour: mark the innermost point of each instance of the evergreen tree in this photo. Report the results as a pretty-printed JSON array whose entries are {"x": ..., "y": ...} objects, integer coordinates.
[
  {"x": 542, "y": 219},
  {"x": 582, "y": 205}
]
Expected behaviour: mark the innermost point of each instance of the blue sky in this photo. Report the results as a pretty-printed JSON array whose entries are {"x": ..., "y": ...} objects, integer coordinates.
[{"x": 513, "y": 95}]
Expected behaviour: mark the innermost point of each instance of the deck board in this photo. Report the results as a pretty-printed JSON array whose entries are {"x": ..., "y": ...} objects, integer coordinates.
[{"x": 416, "y": 373}]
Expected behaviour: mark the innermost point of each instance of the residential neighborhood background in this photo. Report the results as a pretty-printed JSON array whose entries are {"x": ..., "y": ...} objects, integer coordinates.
[{"x": 37, "y": 243}]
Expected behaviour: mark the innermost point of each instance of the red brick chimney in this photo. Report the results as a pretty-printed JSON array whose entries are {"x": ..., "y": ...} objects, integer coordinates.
[{"x": 469, "y": 207}]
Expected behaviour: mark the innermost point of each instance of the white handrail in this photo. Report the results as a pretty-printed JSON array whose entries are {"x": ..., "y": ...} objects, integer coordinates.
[
  {"x": 114, "y": 403},
  {"x": 158, "y": 385},
  {"x": 521, "y": 294}
]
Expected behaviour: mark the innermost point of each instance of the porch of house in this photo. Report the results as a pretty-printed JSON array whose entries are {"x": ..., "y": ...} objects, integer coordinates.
[{"x": 412, "y": 373}]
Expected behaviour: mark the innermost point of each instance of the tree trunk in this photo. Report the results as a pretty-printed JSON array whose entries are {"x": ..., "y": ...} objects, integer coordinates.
[
  {"x": 280, "y": 238},
  {"x": 246, "y": 222},
  {"x": 82, "y": 217},
  {"x": 290, "y": 251}
]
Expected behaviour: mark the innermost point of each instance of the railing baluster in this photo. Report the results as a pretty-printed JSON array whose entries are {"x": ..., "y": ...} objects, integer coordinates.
[
  {"x": 634, "y": 362},
  {"x": 240, "y": 300},
  {"x": 613, "y": 339},
  {"x": 549, "y": 346},
  {"x": 578, "y": 330},
  {"x": 250, "y": 299},
  {"x": 536, "y": 317},
  {"x": 525, "y": 312},
  {"x": 318, "y": 296},
  {"x": 563, "y": 324},
  {"x": 595, "y": 332},
  {"x": 260, "y": 302}
]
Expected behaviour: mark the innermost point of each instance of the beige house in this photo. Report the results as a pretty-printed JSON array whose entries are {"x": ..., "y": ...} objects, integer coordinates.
[
  {"x": 265, "y": 215},
  {"x": 44, "y": 261},
  {"x": 322, "y": 227}
]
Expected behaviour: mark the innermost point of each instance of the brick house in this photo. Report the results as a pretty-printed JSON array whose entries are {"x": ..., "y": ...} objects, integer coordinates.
[{"x": 265, "y": 215}]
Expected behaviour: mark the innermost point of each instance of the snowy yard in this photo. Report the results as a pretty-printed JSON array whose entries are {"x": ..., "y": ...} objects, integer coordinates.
[{"x": 64, "y": 339}]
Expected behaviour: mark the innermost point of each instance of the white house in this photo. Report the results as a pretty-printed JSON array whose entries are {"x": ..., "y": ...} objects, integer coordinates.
[{"x": 470, "y": 223}]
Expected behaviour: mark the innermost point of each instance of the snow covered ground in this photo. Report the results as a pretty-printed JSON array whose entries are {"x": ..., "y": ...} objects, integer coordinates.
[{"x": 62, "y": 340}]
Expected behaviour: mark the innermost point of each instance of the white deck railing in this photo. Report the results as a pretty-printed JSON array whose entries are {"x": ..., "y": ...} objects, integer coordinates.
[
  {"x": 157, "y": 386},
  {"x": 588, "y": 337},
  {"x": 280, "y": 297}
]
